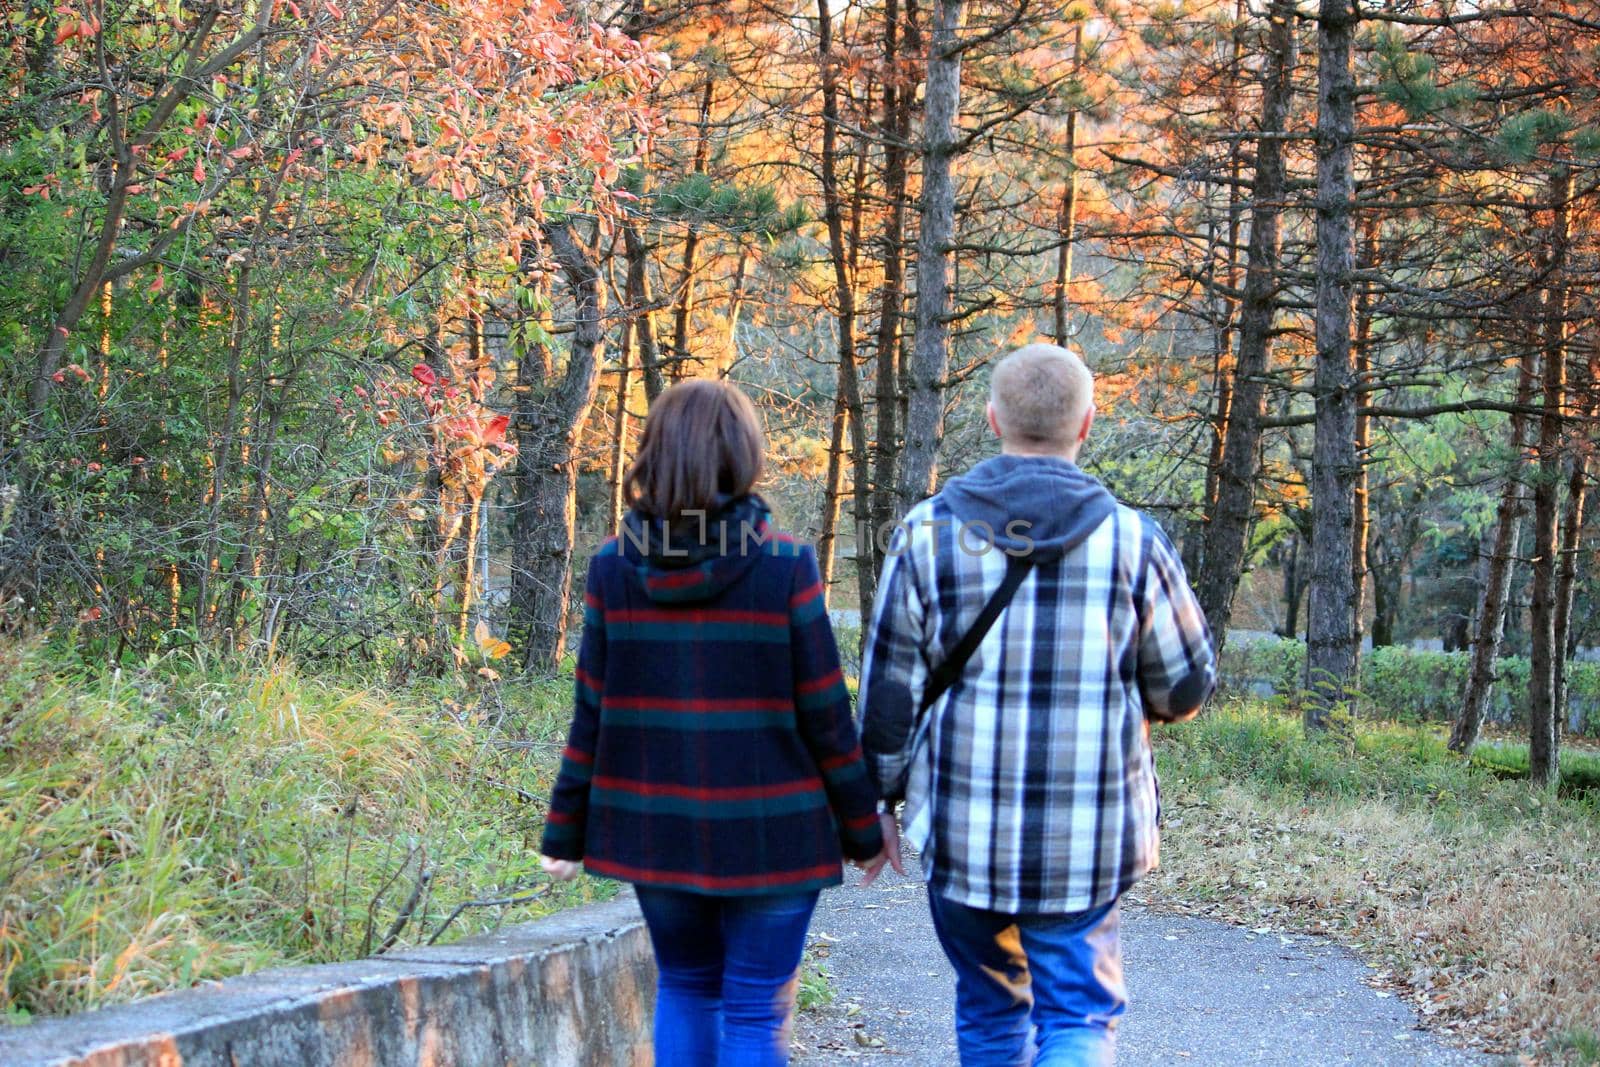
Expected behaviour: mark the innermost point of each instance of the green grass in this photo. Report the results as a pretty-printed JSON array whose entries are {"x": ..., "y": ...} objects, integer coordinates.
[
  {"x": 1581, "y": 1045},
  {"x": 816, "y": 986},
  {"x": 191, "y": 819},
  {"x": 1580, "y": 769},
  {"x": 1407, "y": 765},
  {"x": 1471, "y": 893}
]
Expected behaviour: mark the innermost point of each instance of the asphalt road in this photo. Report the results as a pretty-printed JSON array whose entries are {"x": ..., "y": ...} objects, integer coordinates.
[{"x": 1201, "y": 992}]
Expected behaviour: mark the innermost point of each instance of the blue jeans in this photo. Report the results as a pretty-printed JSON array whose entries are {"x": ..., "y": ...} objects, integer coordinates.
[
  {"x": 1058, "y": 974},
  {"x": 729, "y": 970}
]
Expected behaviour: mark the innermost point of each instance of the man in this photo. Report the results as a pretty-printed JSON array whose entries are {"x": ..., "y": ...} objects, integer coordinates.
[{"x": 1029, "y": 784}]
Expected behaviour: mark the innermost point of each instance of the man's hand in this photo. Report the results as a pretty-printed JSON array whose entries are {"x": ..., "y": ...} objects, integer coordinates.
[
  {"x": 890, "y": 854},
  {"x": 560, "y": 870}
]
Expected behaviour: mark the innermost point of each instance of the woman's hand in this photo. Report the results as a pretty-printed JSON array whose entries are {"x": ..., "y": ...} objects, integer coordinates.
[
  {"x": 560, "y": 870},
  {"x": 890, "y": 854}
]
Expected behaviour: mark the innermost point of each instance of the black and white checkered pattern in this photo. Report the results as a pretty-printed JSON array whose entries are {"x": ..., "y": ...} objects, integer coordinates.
[{"x": 1035, "y": 788}]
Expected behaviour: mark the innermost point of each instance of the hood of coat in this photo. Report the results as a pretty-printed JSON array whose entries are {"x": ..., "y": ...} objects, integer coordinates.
[
  {"x": 1042, "y": 506},
  {"x": 699, "y": 556}
]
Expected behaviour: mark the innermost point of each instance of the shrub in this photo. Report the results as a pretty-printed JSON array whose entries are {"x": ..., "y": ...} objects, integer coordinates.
[{"x": 1409, "y": 684}]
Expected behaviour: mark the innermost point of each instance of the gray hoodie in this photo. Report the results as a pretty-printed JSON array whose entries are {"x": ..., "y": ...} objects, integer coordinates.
[{"x": 1041, "y": 506}]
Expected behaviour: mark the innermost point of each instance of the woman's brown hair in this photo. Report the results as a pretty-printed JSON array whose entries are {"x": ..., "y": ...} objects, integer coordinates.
[{"x": 703, "y": 440}]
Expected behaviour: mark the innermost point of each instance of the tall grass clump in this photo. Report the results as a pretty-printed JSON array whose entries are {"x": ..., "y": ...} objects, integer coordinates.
[
  {"x": 1472, "y": 893},
  {"x": 189, "y": 820}
]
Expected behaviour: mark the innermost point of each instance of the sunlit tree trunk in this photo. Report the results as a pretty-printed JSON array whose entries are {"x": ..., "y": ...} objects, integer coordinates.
[
  {"x": 618, "y": 466},
  {"x": 1067, "y": 218},
  {"x": 1361, "y": 512},
  {"x": 930, "y": 354}
]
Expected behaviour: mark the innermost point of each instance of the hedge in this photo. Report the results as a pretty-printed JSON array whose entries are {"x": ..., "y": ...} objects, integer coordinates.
[{"x": 1407, "y": 683}]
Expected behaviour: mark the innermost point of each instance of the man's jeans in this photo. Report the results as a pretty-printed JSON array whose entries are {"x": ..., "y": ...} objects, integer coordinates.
[
  {"x": 728, "y": 968},
  {"x": 1059, "y": 973}
]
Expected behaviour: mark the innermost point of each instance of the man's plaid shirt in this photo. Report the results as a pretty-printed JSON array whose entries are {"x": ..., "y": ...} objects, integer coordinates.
[{"x": 1035, "y": 790}]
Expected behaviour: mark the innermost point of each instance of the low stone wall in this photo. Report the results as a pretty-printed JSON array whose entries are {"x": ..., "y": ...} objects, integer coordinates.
[{"x": 576, "y": 989}]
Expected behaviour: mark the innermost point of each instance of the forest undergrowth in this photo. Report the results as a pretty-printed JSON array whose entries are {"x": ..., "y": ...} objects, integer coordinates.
[{"x": 193, "y": 818}]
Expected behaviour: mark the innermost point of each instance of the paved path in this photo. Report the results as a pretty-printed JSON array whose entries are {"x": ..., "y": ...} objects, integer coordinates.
[{"x": 1202, "y": 992}]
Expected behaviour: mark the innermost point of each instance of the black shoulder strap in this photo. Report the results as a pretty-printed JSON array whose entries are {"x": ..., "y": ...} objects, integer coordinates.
[{"x": 945, "y": 674}]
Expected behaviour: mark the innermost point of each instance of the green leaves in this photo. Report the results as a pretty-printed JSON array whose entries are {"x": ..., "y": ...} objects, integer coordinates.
[
  {"x": 749, "y": 209},
  {"x": 1586, "y": 142},
  {"x": 1408, "y": 79},
  {"x": 1522, "y": 136}
]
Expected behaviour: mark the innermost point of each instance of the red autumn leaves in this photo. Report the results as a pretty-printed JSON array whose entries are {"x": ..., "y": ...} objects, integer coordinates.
[{"x": 470, "y": 440}]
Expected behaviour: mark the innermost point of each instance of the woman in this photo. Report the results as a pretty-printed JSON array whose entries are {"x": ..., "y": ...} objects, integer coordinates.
[{"x": 712, "y": 759}]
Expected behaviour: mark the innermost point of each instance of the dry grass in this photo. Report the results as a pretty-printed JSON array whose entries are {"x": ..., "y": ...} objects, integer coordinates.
[
  {"x": 189, "y": 820},
  {"x": 1474, "y": 897}
]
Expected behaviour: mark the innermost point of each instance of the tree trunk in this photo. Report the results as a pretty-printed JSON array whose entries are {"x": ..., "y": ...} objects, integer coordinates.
[
  {"x": 1580, "y": 385},
  {"x": 222, "y": 450},
  {"x": 832, "y": 492},
  {"x": 1066, "y": 225},
  {"x": 1361, "y": 515},
  {"x": 1292, "y": 587},
  {"x": 896, "y": 127},
  {"x": 1067, "y": 220},
  {"x": 1330, "y": 644},
  {"x": 1228, "y": 530},
  {"x": 618, "y": 465},
  {"x": 1222, "y": 373},
  {"x": 1225, "y": 311},
  {"x": 1491, "y": 625},
  {"x": 681, "y": 358},
  {"x": 1385, "y": 597},
  {"x": 640, "y": 311},
  {"x": 258, "y": 506},
  {"x": 736, "y": 296},
  {"x": 86, "y": 289},
  {"x": 548, "y": 425},
  {"x": 930, "y": 354},
  {"x": 1567, "y": 571},
  {"x": 844, "y": 287},
  {"x": 446, "y": 518},
  {"x": 1544, "y": 756}
]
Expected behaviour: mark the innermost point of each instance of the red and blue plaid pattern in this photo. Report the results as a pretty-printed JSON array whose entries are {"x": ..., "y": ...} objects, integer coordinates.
[{"x": 712, "y": 746}]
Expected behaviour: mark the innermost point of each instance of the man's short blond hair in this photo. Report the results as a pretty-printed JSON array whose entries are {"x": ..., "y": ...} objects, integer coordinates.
[{"x": 1041, "y": 394}]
